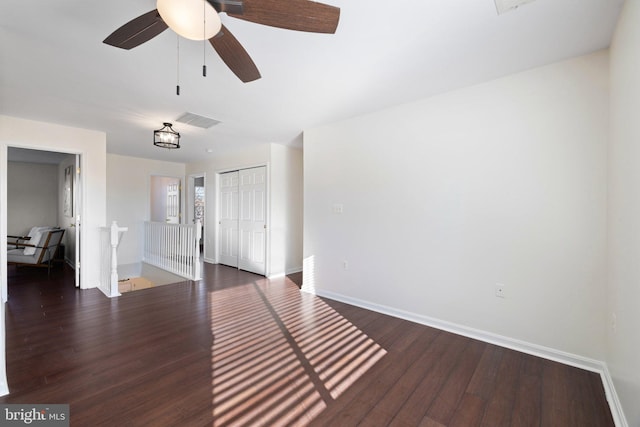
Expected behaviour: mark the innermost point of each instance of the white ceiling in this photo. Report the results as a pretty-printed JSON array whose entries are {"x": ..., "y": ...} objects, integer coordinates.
[{"x": 55, "y": 68}]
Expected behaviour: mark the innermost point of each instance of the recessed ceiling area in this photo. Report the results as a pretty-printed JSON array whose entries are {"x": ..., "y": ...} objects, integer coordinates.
[{"x": 55, "y": 68}]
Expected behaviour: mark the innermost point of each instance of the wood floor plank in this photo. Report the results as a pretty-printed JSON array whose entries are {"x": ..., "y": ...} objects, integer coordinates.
[
  {"x": 447, "y": 401},
  {"x": 420, "y": 399},
  {"x": 499, "y": 409},
  {"x": 411, "y": 340},
  {"x": 237, "y": 349},
  {"x": 527, "y": 403},
  {"x": 469, "y": 412}
]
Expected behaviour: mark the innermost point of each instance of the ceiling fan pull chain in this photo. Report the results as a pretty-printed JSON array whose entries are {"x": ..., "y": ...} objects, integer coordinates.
[
  {"x": 178, "y": 68},
  {"x": 204, "y": 39},
  {"x": 204, "y": 58}
]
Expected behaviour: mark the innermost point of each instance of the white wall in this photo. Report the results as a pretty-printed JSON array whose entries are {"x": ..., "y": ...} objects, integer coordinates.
[
  {"x": 49, "y": 137},
  {"x": 623, "y": 343},
  {"x": 32, "y": 196},
  {"x": 91, "y": 145},
  {"x": 244, "y": 158},
  {"x": 128, "y": 195},
  {"x": 284, "y": 204},
  {"x": 503, "y": 182},
  {"x": 286, "y": 209}
]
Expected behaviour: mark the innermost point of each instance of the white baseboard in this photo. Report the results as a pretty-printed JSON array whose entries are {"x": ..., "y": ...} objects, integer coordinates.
[
  {"x": 560, "y": 356},
  {"x": 294, "y": 270},
  {"x": 210, "y": 260},
  {"x": 612, "y": 397},
  {"x": 288, "y": 271}
]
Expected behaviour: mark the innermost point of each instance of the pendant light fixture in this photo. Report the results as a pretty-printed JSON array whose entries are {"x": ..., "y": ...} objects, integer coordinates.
[{"x": 166, "y": 137}]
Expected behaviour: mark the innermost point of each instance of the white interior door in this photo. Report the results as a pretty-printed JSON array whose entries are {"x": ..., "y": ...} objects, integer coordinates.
[
  {"x": 252, "y": 223},
  {"x": 228, "y": 225},
  {"x": 243, "y": 219},
  {"x": 173, "y": 202}
]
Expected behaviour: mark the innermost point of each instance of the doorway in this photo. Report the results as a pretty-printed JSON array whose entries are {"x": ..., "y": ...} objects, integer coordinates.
[
  {"x": 197, "y": 203},
  {"x": 243, "y": 220},
  {"x": 44, "y": 188},
  {"x": 165, "y": 199}
]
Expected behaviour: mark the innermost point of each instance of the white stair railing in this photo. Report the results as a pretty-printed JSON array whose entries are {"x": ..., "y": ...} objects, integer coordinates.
[
  {"x": 174, "y": 248},
  {"x": 110, "y": 240}
]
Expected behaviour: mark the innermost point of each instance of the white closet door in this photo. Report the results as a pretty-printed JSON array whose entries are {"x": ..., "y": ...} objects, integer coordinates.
[
  {"x": 229, "y": 219},
  {"x": 252, "y": 220}
]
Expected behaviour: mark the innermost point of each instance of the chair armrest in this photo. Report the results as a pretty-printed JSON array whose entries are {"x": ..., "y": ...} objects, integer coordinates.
[{"x": 25, "y": 245}]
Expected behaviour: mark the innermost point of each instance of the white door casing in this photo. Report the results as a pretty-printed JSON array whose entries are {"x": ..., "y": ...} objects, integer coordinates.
[{"x": 77, "y": 189}]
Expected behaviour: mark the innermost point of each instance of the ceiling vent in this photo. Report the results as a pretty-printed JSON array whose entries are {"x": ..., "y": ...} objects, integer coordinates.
[
  {"x": 503, "y": 6},
  {"x": 197, "y": 121}
]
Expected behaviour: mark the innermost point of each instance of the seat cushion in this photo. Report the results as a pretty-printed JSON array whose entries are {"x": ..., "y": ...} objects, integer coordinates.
[
  {"x": 36, "y": 235},
  {"x": 18, "y": 256},
  {"x": 35, "y": 239}
]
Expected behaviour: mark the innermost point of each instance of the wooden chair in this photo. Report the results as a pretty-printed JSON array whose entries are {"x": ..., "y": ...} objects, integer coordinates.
[{"x": 38, "y": 253}]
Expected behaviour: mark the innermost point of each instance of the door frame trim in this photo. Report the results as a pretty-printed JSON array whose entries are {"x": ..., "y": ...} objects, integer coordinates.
[{"x": 190, "y": 202}]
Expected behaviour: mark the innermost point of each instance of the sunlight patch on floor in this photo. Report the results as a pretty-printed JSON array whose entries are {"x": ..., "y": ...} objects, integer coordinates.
[{"x": 279, "y": 356}]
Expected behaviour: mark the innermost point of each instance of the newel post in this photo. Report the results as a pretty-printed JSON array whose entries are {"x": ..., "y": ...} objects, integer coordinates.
[
  {"x": 113, "y": 240},
  {"x": 196, "y": 270}
]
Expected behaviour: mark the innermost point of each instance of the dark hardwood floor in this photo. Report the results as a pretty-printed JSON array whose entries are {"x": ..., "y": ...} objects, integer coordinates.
[{"x": 239, "y": 349}]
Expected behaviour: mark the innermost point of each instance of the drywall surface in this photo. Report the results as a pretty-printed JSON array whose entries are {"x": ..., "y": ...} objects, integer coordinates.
[
  {"x": 91, "y": 145},
  {"x": 32, "y": 196},
  {"x": 623, "y": 293},
  {"x": 129, "y": 196},
  {"x": 285, "y": 210},
  {"x": 210, "y": 168},
  {"x": 425, "y": 207}
]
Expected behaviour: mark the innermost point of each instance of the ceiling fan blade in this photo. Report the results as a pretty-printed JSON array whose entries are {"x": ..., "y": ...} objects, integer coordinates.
[
  {"x": 228, "y": 6},
  {"x": 137, "y": 31},
  {"x": 300, "y": 15},
  {"x": 234, "y": 55}
]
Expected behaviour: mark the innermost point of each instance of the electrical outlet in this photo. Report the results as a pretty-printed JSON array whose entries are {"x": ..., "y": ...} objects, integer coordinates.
[
  {"x": 345, "y": 265},
  {"x": 338, "y": 208},
  {"x": 501, "y": 291}
]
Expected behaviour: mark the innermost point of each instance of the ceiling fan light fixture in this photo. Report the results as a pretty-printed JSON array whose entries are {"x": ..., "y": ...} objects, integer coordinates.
[
  {"x": 185, "y": 17},
  {"x": 166, "y": 137}
]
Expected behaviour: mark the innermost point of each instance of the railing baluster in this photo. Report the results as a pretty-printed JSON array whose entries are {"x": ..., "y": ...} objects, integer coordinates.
[{"x": 174, "y": 247}]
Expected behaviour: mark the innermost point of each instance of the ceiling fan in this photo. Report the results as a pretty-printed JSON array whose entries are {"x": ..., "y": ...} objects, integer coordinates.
[{"x": 300, "y": 15}]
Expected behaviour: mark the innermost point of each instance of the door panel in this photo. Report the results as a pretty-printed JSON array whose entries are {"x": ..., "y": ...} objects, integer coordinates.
[
  {"x": 229, "y": 219},
  {"x": 243, "y": 219},
  {"x": 173, "y": 203},
  {"x": 252, "y": 223}
]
